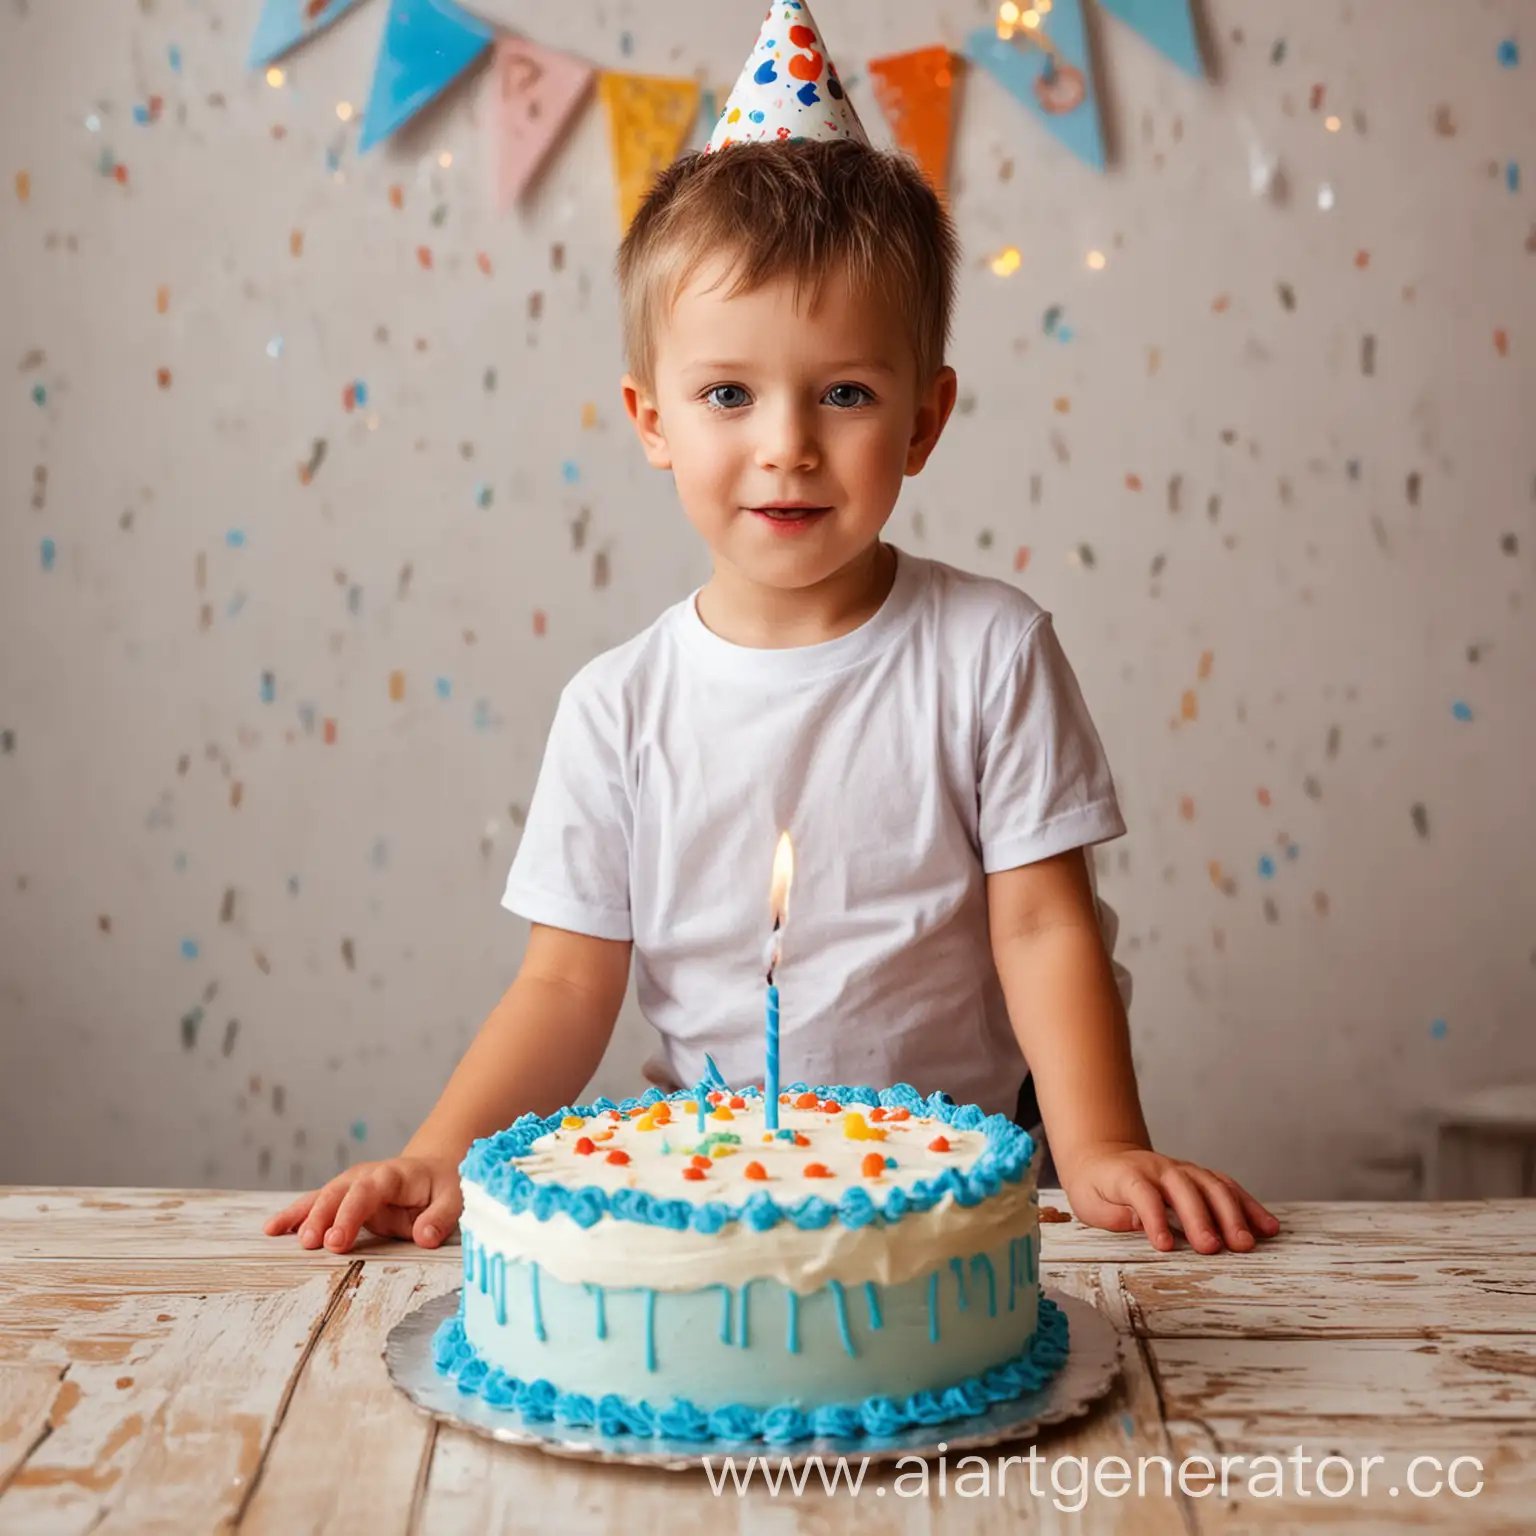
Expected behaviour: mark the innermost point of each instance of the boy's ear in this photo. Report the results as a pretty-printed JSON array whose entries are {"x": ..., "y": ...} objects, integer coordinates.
[
  {"x": 646, "y": 416},
  {"x": 932, "y": 412}
]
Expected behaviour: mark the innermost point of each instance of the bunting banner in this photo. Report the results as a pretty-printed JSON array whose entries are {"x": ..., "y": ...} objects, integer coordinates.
[
  {"x": 1047, "y": 67},
  {"x": 284, "y": 24},
  {"x": 535, "y": 92},
  {"x": 916, "y": 92},
  {"x": 1039, "y": 53},
  {"x": 1168, "y": 25},
  {"x": 427, "y": 45},
  {"x": 649, "y": 116}
]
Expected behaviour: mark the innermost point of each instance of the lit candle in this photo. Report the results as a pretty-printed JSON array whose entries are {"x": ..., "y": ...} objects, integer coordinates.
[{"x": 778, "y": 904}]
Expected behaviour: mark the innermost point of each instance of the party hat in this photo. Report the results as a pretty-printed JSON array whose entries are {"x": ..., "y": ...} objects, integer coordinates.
[{"x": 788, "y": 88}]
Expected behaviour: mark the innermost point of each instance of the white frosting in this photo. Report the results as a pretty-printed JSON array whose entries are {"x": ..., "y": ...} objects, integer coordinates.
[{"x": 623, "y": 1253}]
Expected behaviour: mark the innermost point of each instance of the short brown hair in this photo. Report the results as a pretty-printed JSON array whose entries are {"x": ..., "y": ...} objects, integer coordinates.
[{"x": 801, "y": 208}]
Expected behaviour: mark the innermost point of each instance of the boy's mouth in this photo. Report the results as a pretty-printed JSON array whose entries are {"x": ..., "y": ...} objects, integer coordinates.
[{"x": 790, "y": 513}]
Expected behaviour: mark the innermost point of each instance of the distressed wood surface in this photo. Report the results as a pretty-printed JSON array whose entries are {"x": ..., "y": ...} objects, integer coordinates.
[{"x": 166, "y": 1366}]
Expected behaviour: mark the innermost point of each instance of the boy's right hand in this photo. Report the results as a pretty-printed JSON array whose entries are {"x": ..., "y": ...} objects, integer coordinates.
[{"x": 417, "y": 1198}]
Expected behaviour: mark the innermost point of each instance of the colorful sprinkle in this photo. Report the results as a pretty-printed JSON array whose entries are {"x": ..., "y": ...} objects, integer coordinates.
[
  {"x": 873, "y": 1165},
  {"x": 586, "y": 1146},
  {"x": 939, "y": 1144},
  {"x": 754, "y": 1170},
  {"x": 618, "y": 1156},
  {"x": 818, "y": 1171}
]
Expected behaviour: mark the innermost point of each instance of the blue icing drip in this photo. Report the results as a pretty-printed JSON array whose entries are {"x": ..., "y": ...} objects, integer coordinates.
[
  {"x": 499, "y": 1287},
  {"x": 872, "y": 1300},
  {"x": 984, "y": 1264},
  {"x": 933, "y": 1307},
  {"x": 1013, "y": 1270},
  {"x": 538, "y": 1310},
  {"x": 596, "y": 1293},
  {"x": 841, "y": 1303},
  {"x": 469, "y": 1259},
  {"x": 958, "y": 1265},
  {"x": 725, "y": 1314},
  {"x": 792, "y": 1322},
  {"x": 650, "y": 1330},
  {"x": 742, "y": 1319},
  {"x": 1032, "y": 1270},
  {"x": 877, "y": 1416}
]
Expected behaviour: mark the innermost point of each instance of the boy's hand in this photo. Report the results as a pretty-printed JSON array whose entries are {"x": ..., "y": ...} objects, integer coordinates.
[
  {"x": 1122, "y": 1188},
  {"x": 411, "y": 1197}
]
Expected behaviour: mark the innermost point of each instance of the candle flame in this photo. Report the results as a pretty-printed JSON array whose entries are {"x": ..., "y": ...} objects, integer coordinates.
[{"x": 783, "y": 876}]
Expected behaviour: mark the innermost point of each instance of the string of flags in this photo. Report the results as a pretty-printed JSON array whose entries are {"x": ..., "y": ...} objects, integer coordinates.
[{"x": 1038, "y": 52}]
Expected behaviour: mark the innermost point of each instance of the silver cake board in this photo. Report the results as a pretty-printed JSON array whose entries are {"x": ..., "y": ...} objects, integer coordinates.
[{"x": 1093, "y": 1362}]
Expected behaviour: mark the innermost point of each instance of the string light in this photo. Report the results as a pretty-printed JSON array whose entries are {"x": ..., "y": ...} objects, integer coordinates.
[
  {"x": 445, "y": 159},
  {"x": 1006, "y": 263},
  {"x": 1332, "y": 124},
  {"x": 1096, "y": 261},
  {"x": 275, "y": 77},
  {"x": 344, "y": 111}
]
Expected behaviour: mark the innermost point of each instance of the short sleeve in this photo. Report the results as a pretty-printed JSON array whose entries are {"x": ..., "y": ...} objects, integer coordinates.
[
  {"x": 1044, "y": 784},
  {"x": 571, "y": 869}
]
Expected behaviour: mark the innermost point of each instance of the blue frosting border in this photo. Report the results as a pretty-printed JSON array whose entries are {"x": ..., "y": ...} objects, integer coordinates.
[
  {"x": 542, "y": 1402},
  {"x": 491, "y": 1163}
]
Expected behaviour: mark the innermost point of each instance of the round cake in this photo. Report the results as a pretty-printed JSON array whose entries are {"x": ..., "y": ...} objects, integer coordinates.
[{"x": 869, "y": 1265}]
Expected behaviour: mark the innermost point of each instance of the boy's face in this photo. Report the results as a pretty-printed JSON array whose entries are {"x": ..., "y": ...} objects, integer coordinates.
[{"x": 757, "y": 401}]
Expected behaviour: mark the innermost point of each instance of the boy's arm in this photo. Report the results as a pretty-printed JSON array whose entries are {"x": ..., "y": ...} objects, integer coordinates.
[
  {"x": 1066, "y": 1012},
  {"x": 540, "y": 1045},
  {"x": 535, "y": 1052}
]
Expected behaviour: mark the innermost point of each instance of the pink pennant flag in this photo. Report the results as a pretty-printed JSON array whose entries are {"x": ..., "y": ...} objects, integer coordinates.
[{"x": 534, "y": 94}]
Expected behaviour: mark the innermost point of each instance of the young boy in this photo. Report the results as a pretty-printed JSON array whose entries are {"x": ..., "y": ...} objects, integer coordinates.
[{"x": 916, "y": 728}]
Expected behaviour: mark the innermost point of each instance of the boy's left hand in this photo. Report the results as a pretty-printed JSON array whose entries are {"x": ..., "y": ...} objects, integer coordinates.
[{"x": 1122, "y": 1188}]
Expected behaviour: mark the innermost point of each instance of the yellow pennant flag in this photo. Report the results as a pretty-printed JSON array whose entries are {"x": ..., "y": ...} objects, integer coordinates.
[{"x": 649, "y": 117}]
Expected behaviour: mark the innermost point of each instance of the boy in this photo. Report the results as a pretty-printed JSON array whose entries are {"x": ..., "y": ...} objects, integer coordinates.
[{"x": 917, "y": 728}]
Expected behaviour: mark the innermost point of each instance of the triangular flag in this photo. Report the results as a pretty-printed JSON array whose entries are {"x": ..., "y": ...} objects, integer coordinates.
[
  {"x": 788, "y": 88},
  {"x": 1049, "y": 70},
  {"x": 1167, "y": 25},
  {"x": 535, "y": 92},
  {"x": 283, "y": 24},
  {"x": 427, "y": 45},
  {"x": 648, "y": 118},
  {"x": 916, "y": 93}
]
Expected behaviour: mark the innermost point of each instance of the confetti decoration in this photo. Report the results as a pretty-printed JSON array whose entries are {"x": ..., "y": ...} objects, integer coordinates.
[
  {"x": 23, "y": 186},
  {"x": 916, "y": 92},
  {"x": 1509, "y": 53},
  {"x": 1049, "y": 70},
  {"x": 649, "y": 116},
  {"x": 1461, "y": 710},
  {"x": 396, "y": 686},
  {"x": 427, "y": 45},
  {"x": 535, "y": 94}
]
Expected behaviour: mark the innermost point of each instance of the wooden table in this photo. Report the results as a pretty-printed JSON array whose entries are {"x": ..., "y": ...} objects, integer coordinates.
[{"x": 164, "y": 1366}]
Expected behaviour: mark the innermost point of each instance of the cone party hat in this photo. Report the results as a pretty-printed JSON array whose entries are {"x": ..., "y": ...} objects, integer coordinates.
[{"x": 788, "y": 88}]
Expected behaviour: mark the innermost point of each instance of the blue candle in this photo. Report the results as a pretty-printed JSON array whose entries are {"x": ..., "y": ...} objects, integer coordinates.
[
  {"x": 703, "y": 1105},
  {"x": 771, "y": 1073},
  {"x": 778, "y": 905}
]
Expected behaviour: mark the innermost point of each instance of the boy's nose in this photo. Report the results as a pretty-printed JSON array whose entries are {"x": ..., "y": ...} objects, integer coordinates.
[{"x": 788, "y": 441}]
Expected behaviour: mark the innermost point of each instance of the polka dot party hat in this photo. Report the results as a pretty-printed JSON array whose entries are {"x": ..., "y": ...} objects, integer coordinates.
[{"x": 789, "y": 87}]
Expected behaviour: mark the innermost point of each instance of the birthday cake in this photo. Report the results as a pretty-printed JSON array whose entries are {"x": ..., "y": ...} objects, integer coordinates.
[{"x": 870, "y": 1265}]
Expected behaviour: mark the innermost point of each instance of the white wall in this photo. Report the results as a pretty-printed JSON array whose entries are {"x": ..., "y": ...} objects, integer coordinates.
[{"x": 1285, "y": 1026}]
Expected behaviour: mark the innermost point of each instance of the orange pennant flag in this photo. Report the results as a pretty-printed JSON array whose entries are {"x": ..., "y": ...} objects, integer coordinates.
[
  {"x": 649, "y": 117},
  {"x": 535, "y": 92},
  {"x": 916, "y": 92}
]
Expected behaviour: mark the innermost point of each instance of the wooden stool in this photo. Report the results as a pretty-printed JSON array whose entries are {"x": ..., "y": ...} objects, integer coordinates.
[{"x": 1483, "y": 1145}]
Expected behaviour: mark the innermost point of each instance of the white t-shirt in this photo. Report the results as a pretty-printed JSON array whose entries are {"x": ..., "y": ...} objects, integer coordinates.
[{"x": 941, "y": 740}]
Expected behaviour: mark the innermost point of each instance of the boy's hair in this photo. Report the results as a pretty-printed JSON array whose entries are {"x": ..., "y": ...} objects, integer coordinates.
[{"x": 802, "y": 209}]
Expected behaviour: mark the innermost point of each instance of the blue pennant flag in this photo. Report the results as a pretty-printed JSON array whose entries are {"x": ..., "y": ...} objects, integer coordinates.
[
  {"x": 284, "y": 24},
  {"x": 1167, "y": 25},
  {"x": 427, "y": 45},
  {"x": 1055, "y": 83}
]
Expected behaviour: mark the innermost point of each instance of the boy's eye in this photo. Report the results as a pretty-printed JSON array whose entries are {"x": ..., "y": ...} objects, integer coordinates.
[
  {"x": 861, "y": 396},
  {"x": 736, "y": 397}
]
